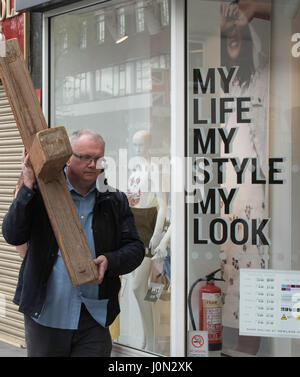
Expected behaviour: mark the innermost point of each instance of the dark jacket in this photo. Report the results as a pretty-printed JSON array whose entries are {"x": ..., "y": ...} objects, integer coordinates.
[{"x": 115, "y": 236}]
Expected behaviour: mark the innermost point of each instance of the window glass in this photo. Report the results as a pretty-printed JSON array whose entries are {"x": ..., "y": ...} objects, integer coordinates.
[
  {"x": 110, "y": 72},
  {"x": 100, "y": 25},
  {"x": 243, "y": 207},
  {"x": 140, "y": 18}
]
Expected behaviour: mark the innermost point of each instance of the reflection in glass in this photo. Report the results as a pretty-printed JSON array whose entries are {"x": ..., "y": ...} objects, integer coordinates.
[
  {"x": 140, "y": 17},
  {"x": 119, "y": 90},
  {"x": 238, "y": 35},
  {"x": 83, "y": 34},
  {"x": 100, "y": 21}
]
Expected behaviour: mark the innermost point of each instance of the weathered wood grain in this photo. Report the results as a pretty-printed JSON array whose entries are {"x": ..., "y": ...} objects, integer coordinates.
[{"x": 49, "y": 149}]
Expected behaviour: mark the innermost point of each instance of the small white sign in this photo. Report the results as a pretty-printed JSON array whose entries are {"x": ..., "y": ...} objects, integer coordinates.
[
  {"x": 154, "y": 292},
  {"x": 270, "y": 303},
  {"x": 198, "y": 344}
]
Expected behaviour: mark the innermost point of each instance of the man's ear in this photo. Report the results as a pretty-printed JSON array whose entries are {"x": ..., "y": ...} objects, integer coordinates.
[{"x": 68, "y": 162}]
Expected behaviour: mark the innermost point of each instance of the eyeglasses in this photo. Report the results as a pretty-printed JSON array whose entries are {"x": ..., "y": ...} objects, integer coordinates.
[{"x": 99, "y": 161}]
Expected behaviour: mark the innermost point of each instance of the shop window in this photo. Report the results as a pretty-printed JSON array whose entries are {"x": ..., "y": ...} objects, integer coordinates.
[
  {"x": 140, "y": 16},
  {"x": 164, "y": 11},
  {"x": 116, "y": 81},
  {"x": 242, "y": 216},
  {"x": 97, "y": 80},
  {"x": 63, "y": 41},
  {"x": 83, "y": 34},
  {"x": 100, "y": 23},
  {"x": 80, "y": 86},
  {"x": 122, "y": 78},
  {"x": 68, "y": 90},
  {"x": 121, "y": 89},
  {"x": 143, "y": 75},
  {"x": 129, "y": 78},
  {"x": 121, "y": 22},
  {"x": 107, "y": 82}
]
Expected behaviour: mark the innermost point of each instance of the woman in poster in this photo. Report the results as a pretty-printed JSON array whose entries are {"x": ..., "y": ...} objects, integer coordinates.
[{"x": 242, "y": 47}]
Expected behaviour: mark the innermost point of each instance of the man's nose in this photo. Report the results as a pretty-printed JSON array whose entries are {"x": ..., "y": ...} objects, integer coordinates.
[{"x": 92, "y": 163}]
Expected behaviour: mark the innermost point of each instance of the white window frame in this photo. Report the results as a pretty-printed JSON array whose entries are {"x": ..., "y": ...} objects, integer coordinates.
[
  {"x": 178, "y": 265},
  {"x": 178, "y": 236}
]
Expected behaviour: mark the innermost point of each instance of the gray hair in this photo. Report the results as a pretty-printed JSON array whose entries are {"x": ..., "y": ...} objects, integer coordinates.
[{"x": 77, "y": 134}]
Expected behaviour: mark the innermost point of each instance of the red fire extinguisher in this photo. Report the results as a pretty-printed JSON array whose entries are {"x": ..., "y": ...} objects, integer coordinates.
[{"x": 210, "y": 310}]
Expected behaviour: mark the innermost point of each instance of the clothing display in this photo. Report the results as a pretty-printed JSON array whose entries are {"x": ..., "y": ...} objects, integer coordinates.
[
  {"x": 141, "y": 190},
  {"x": 145, "y": 220}
]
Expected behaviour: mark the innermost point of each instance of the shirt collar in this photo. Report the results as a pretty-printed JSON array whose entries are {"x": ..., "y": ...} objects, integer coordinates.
[{"x": 71, "y": 188}]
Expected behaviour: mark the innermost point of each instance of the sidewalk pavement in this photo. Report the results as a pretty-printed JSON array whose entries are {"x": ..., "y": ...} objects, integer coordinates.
[{"x": 8, "y": 350}]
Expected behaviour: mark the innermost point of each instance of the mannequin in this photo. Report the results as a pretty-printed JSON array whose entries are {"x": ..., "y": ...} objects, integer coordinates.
[
  {"x": 149, "y": 209},
  {"x": 162, "y": 251}
]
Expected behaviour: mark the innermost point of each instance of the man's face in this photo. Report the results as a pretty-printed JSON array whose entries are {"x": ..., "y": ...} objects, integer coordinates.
[{"x": 80, "y": 172}]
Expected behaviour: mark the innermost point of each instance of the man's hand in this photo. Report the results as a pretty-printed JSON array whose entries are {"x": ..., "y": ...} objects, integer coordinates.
[
  {"x": 102, "y": 264},
  {"x": 27, "y": 169}
]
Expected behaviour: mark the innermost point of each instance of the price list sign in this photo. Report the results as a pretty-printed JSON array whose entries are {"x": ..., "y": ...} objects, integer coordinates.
[{"x": 270, "y": 303}]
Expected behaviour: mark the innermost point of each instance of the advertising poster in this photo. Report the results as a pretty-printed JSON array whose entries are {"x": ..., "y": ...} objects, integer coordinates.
[
  {"x": 244, "y": 179},
  {"x": 230, "y": 169}
]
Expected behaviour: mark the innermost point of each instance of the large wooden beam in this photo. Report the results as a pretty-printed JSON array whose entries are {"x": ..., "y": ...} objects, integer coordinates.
[{"x": 49, "y": 149}]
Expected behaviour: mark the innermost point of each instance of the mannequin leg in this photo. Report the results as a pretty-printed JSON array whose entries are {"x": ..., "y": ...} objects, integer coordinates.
[{"x": 140, "y": 287}]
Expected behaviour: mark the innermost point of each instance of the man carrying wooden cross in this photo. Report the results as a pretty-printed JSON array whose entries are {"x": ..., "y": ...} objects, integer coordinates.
[{"x": 60, "y": 319}]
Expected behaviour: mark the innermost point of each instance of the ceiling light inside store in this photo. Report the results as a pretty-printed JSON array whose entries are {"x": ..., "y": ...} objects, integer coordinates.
[
  {"x": 196, "y": 51},
  {"x": 122, "y": 39}
]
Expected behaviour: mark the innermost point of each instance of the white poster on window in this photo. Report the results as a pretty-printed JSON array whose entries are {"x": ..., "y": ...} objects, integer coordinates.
[{"x": 270, "y": 303}]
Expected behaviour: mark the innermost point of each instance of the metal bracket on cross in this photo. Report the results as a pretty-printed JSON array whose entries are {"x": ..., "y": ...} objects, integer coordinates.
[{"x": 49, "y": 149}]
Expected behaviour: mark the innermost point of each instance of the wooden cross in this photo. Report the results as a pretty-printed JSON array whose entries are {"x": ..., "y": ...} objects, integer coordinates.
[{"x": 49, "y": 149}]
